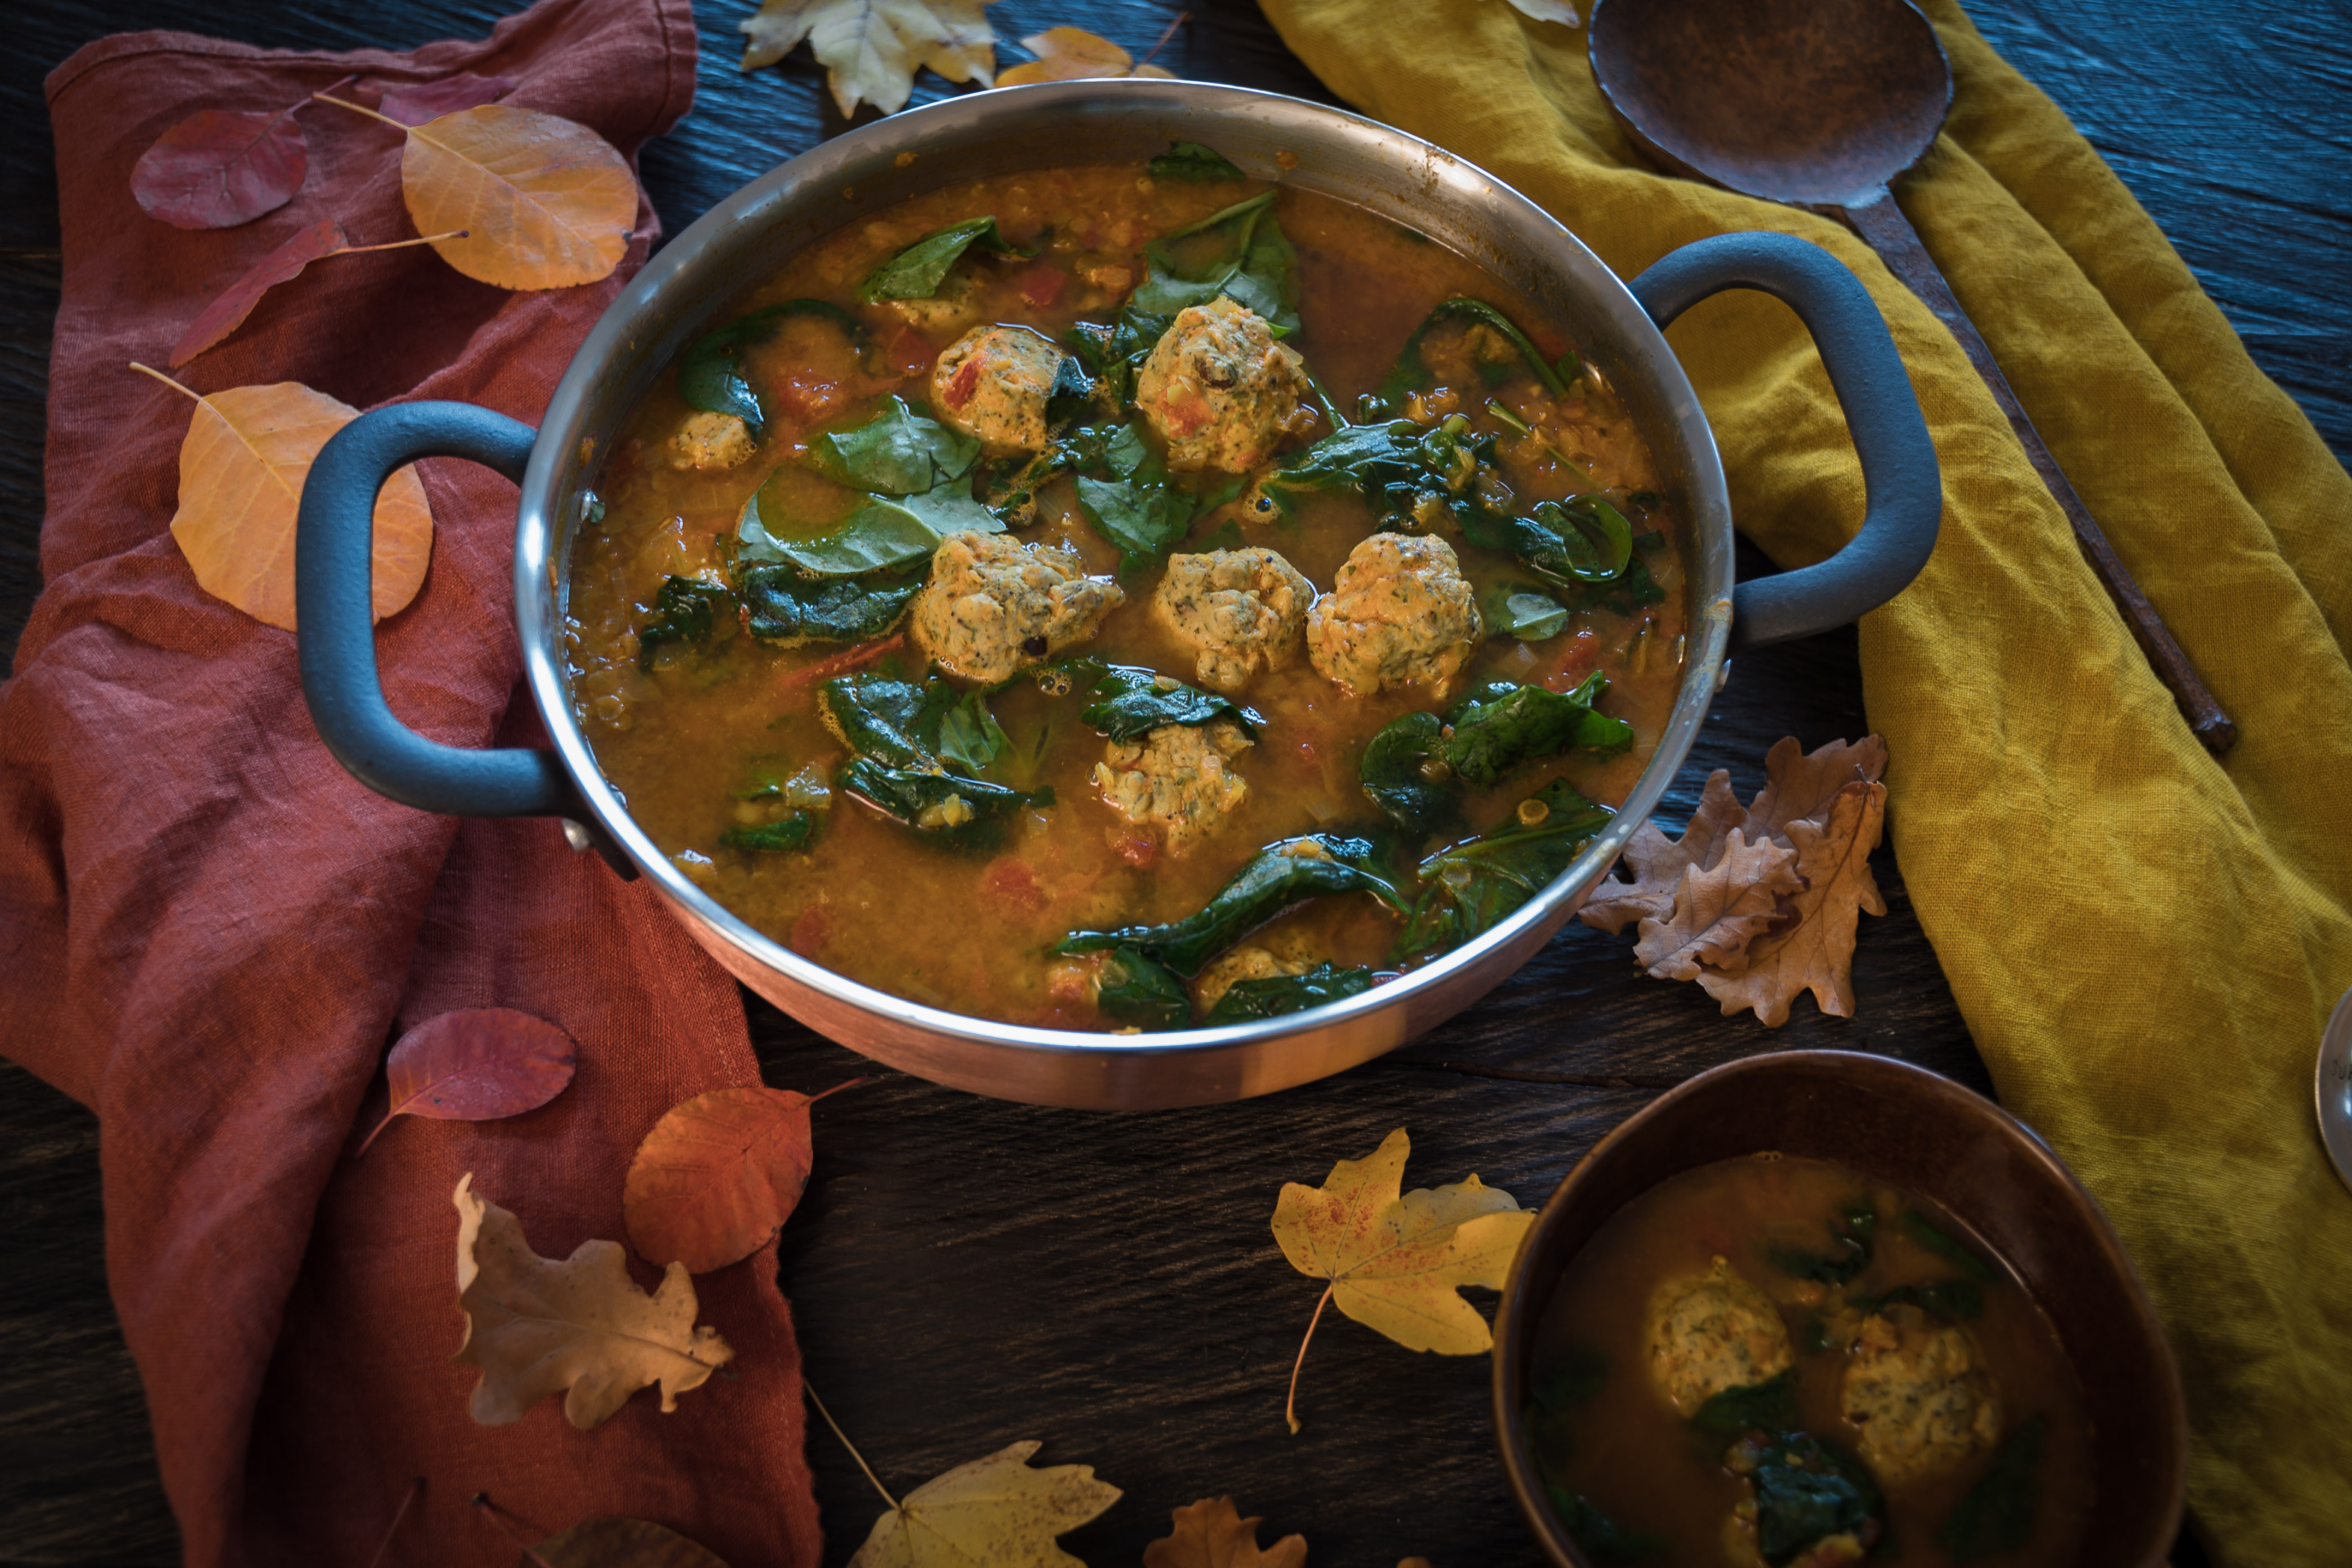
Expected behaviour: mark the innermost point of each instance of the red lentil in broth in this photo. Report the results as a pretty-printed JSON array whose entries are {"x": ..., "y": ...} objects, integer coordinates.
[{"x": 970, "y": 930}]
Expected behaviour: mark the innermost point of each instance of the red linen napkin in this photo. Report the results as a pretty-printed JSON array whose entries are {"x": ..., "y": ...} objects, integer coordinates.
[{"x": 209, "y": 933}]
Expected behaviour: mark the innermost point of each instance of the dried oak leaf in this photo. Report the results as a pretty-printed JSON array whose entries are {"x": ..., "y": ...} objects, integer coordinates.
[
  {"x": 995, "y": 1513},
  {"x": 220, "y": 168},
  {"x": 1717, "y": 910},
  {"x": 1396, "y": 1263},
  {"x": 477, "y": 1064},
  {"x": 580, "y": 1327},
  {"x": 1811, "y": 946},
  {"x": 614, "y": 1542},
  {"x": 719, "y": 1176},
  {"x": 248, "y": 452},
  {"x": 872, "y": 48},
  {"x": 432, "y": 100},
  {"x": 1073, "y": 54},
  {"x": 1211, "y": 1533}
]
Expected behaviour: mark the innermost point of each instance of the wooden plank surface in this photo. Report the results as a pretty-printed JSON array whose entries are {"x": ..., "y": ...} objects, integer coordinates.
[{"x": 966, "y": 1273}]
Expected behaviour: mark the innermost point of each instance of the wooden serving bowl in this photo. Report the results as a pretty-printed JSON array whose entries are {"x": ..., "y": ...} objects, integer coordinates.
[{"x": 1907, "y": 1127}]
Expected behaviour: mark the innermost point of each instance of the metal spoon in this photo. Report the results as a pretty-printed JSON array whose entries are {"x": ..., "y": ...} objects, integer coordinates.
[
  {"x": 1819, "y": 104},
  {"x": 2334, "y": 1087}
]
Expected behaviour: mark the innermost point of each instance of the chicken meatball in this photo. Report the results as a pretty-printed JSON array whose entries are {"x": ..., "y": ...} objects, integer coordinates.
[
  {"x": 996, "y": 605},
  {"x": 1712, "y": 1332},
  {"x": 955, "y": 305},
  {"x": 711, "y": 441},
  {"x": 1221, "y": 392},
  {"x": 1922, "y": 1398},
  {"x": 1398, "y": 614},
  {"x": 993, "y": 383},
  {"x": 1240, "y": 611},
  {"x": 1176, "y": 780}
]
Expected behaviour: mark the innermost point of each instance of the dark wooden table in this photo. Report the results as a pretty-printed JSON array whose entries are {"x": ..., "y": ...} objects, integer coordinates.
[{"x": 966, "y": 1273}]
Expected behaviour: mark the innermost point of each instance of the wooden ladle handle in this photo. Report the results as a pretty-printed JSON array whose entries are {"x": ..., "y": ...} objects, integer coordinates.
[{"x": 1882, "y": 224}]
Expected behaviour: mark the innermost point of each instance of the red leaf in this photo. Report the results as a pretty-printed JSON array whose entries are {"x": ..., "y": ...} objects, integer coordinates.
[
  {"x": 719, "y": 1176},
  {"x": 234, "y": 303},
  {"x": 478, "y": 1064},
  {"x": 432, "y": 100},
  {"x": 220, "y": 168}
]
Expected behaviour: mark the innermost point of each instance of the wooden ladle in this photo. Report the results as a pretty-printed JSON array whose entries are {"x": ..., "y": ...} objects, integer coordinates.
[{"x": 1820, "y": 103}]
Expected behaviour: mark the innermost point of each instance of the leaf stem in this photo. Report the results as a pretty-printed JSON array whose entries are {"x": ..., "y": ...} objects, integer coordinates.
[
  {"x": 810, "y": 1389},
  {"x": 1291, "y": 1406},
  {"x": 398, "y": 244},
  {"x": 398, "y": 1514},
  {"x": 499, "y": 1517},
  {"x": 355, "y": 109},
  {"x": 167, "y": 381},
  {"x": 836, "y": 1089},
  {"x": 1166, "y": 33}
]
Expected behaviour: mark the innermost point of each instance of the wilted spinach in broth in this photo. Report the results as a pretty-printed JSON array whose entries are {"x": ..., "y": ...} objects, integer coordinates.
[
  {"x": 1124, "y": 598},
  {"x": 1778, "y": 1362}
]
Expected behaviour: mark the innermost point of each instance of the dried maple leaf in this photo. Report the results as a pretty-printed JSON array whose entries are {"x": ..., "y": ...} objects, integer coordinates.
[
  {"x": 220, "y": 168},
  {"x": 432, "y": 100},
  {"x": 872, "y": 48},
  {"x": 1212, "y": 1534},
  {"x": 719, "y": 1176},
  {"x": 242, "y": 467},
  {"x": 615, "y": 1542},
  {"x": 1810, "y": 947},
  {"x": 1717, "y": 910},
  {"x": 477, "y": 1064},
  {"x": 1395, "y": 1264},
  {"x": 1073, "y": 54},
  {"x": 580, "y": 1327},
  {"x": 995, "y": 1513}
]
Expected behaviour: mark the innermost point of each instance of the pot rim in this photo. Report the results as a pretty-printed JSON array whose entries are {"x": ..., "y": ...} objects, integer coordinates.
[{"x": 673, "y": 286}]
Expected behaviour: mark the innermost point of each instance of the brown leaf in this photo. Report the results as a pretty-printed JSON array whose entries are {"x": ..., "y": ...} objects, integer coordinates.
[
  {"x": 1717, "y": 910},
  {"x": 1658, "y": 863},
  {"x": 1212, "y": 1534},
  {"x": 1811, "y": 947},
  {"x": 579, "y": 1328},
  {"x": 432, "y": 100},
  {"x": 220, "y": 168},
  {"x": 234, "y": 304},
  {"x": 615, "y": 1542},
  {"x": 1799, "y": 787},
  {"x": 719, "y": 1176},
  {"x": 477, "y": 1064}
]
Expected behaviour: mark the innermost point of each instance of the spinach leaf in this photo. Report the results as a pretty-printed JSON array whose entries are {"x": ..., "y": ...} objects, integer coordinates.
[
  {"x": 1396, "y": 774},
  {"x": 877, "y": 537},
  {"x": 783, "y": 607},
  {"x": 892, "y": 720},
  {"x": 1190, "y": 161},
  {"x": 1472, "y": 887},
  {"x": 1759, "y": 1406},
  {"x": 1276, "y": 877},
  {"x": 1239, "y": 252},
  {"x": 1554, "y": 1397},
  {"x": 936, "y": 803},
  {"x": 685, "y": 610},
  {"x": 1412, "y": 374},
  {"x": 1805, "y": 1490},
  {"x": 1278, "y": 995},
  {"x": 970, "y": 737},
  {"x": 1112, "y": 354},
  {"x": 1596, "y": 543},
  {"x": 1500, "y": 726},
  {"x": 710, "y": 375},
  {"x": 1136, "y": 990},
  {"x": 1952, "y": 1297},
  {"x": 793, "y": 832},
  {"x": 1130, "y": 701},
  {"x": 916, "y": 273},
  {"x": 1997, "y": 1514},
  {"x": 1599, "y": 1537},
  {"x": 897, "y": 452},
  {"x": 1924, "y": 1231},
  {"x": 1852, "y": 1235},
  {"x": 1143, "y": 519},
  {"x": 1514, "y": 610},
  {"x": 948, "y": 508}
]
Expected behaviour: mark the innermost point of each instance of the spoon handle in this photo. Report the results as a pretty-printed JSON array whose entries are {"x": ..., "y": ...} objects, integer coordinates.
[{"x": 1882, "y": 224}]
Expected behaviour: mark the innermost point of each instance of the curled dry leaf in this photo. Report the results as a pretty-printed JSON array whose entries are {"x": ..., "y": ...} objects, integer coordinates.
[
  {"x": 1211, "y": 1533},
  {"x": 1717, "y": 910},
  {"x": 432, "y": 100},
  {"x": 1072, "y": 54},
  {"x": 234, "y": 304},
  {"x": 220, "y": 168},
  {"x": 615, "y": 1542},
  {"x": 719, "y": 1176},
  {"x": 996, "y": 1511},
  {"x": 580, "y": 1327},
  {"x": 1811, "y": 946},
  {"x": 1396, "y": 1263},
  {"x": 477, "y": 1064},
  {"x": 871, "y": 48},
  {"x": 248, "y": 452}
]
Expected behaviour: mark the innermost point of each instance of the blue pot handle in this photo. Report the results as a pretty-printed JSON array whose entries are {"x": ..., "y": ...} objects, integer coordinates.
[
  {"x": 1901, "y": 486},
  {"x": 333, "y": 588}
]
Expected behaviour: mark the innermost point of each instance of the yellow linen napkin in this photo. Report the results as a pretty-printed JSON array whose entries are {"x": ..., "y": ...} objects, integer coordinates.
[{"x": 2144, "y": 941}]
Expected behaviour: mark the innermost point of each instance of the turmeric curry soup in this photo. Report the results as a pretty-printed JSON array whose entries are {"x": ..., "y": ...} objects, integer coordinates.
[
  {"x": 1775, "y": 1361},
  {"x": 1127, "y": 598}
]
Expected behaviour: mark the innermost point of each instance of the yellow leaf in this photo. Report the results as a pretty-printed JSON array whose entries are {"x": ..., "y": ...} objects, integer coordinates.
[
  {"x": 580, "y": 1327},
  {"x": 1212, "y": 1534},
  {"x": 1812, "y": 948},
  {"x": 995, "y": 1513},
  {"x": 614, "y": 1542},
  {"x": 242, "y": 467},
  {"x": 872, "y": 48},
  {"x": 1067, "y": 54},
  {"x": 1396, "y": 1263},
  {"x": 1717, "y": 910},
  {"x": 543, "y": 203}
]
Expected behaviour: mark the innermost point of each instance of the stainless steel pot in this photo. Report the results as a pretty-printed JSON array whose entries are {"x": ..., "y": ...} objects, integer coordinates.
[{"x": 694, "y": 283}]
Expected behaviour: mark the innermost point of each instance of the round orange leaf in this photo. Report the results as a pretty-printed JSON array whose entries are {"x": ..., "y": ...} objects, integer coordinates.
[
  {"x": 544, "y": 202},
  {"x": 717, "y": 1176}
]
